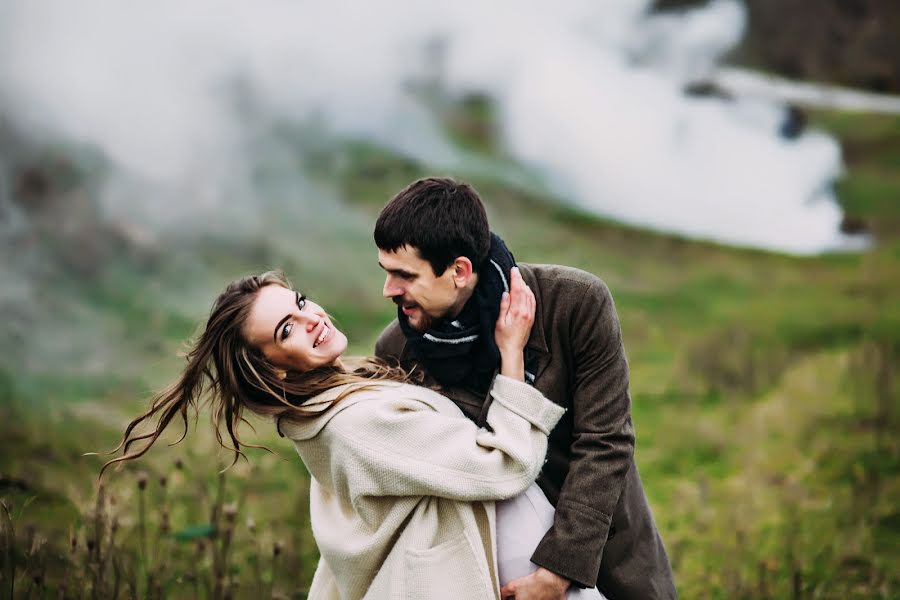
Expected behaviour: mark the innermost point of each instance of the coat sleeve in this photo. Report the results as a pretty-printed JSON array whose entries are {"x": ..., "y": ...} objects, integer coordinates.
[
  {"x": 395, "y": 446},
  {"x": 389, "y": 343},
  {"x": 602, "y": 445}
]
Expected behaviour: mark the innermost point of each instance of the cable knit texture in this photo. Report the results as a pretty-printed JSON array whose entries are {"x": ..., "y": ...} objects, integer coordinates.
[{"x": 401, "y": 501}]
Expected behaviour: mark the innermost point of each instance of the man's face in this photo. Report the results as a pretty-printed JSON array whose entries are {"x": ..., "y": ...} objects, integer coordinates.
[{"x": 413, "y": 286}]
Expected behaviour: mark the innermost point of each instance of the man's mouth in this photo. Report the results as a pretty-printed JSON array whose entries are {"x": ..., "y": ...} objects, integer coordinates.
[
  {"x": 323, "y": 337},
  {"x": 406, "y": 307}
]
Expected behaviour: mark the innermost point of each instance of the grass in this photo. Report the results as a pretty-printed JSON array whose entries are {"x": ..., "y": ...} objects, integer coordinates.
[{"x": 764, "y": 394}]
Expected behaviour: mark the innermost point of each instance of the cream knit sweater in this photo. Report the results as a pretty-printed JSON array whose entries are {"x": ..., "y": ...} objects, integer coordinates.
[{"x": 401, "y": 501}]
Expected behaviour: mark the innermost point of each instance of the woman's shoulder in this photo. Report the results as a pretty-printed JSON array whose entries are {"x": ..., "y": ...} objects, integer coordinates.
[
  {"x": 374, "y": 405},
  {"x": 388, "y": 401},
  {"x": 349, "y": 403},
  {"x": 389, "y": 393}
]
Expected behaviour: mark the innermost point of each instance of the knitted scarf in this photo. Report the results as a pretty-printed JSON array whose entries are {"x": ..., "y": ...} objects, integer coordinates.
[{"x": 462, "y": 351}]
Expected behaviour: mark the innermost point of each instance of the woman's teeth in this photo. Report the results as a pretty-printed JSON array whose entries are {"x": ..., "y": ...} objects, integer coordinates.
[{"x": 322, "y": 336}]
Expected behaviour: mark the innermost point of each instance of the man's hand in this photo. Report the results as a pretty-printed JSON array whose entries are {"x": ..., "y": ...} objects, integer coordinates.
[{"x": 540, "y": 585}]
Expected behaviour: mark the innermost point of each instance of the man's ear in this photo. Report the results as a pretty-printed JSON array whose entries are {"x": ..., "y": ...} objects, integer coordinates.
[{"x": 462, "y": 271}]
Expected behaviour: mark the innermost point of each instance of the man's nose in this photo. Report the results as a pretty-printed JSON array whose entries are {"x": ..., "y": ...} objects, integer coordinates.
[{"x": 391, "y": 289}]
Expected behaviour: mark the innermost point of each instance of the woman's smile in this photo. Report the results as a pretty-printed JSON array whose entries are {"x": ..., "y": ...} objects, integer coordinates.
[{"x": 324, "y": 335}]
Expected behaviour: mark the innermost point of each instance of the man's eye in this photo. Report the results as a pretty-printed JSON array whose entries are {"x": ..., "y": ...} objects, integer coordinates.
[{"x": 286, "y": 331}]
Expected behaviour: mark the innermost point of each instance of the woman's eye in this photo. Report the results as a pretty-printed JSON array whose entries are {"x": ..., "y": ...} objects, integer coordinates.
[
  {"x": 301, "y": 302},
  {"x": 286, "y": 331}
]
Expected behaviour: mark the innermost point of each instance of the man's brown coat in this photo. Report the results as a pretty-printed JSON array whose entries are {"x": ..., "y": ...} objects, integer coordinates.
[{"x": 603, "y": 532}]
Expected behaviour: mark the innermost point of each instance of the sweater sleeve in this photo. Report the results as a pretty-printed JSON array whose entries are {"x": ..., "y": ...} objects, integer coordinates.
[{"x": 397, "y": 446}]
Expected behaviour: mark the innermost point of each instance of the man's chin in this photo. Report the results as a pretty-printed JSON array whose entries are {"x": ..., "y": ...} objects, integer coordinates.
[
  {"x": 420, "y": 322},
  {"x": 417, "y": 325}
]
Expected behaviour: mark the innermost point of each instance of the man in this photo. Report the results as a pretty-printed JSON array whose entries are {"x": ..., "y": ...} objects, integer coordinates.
[{"x": 445, "y": 271}]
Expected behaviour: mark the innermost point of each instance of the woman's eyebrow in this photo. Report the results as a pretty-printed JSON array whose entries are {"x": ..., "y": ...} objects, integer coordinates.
[{"x": 277, "y": 327}]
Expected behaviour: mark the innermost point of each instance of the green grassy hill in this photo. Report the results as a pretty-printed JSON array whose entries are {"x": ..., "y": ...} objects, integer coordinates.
[{"x": 764, "y": 393}]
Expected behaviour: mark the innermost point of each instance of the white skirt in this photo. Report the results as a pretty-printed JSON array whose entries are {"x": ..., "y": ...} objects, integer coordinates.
[{"x": 521, "y": 524}]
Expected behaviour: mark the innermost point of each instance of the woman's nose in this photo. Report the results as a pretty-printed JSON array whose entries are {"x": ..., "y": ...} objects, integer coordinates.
[{"x": 312, "y": 321}]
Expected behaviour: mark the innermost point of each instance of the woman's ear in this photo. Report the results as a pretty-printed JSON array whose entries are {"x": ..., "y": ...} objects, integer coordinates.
[
  {"x": 462, "y": 271},
  {"x": 281, "y": 374}
]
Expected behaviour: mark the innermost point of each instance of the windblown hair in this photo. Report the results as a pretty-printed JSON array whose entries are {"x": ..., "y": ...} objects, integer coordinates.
[
  {"x": 441, "y": 218},
  {"x": 224, "y": 370}
]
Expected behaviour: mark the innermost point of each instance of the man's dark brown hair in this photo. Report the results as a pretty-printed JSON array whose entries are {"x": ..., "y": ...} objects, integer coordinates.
[{"x": 441, "y": 218}]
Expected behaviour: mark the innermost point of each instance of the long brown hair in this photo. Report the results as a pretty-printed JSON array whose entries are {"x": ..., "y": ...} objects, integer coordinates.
[{"x": 224, "y": 370}]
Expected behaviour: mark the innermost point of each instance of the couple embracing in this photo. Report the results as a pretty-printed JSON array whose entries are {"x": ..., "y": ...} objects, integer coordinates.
[{"x": 485, "y": 451}]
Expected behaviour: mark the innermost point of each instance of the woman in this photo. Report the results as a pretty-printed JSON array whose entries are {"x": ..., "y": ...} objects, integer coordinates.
[{"x": 401, "y": 498}]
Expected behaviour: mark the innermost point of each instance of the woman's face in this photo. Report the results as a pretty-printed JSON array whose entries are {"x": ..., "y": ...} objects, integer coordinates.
[{"x": 291, "y": 331}]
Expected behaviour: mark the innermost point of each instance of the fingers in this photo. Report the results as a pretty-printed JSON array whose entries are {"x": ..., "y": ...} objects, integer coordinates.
[
  {"x": 515, "y": 279},
  {"x": 516, "y": 318},
  {"x": 522, "y": 302},
  {"x": 504, "y": 307}
]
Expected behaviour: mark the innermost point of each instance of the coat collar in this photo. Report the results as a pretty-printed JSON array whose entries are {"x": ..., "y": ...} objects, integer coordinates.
[
  {"x": 536, "y": 340},
  {"x": 320, "y": 409}
]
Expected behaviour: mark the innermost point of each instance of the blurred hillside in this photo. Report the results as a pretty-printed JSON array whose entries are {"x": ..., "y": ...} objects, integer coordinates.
[
  {"x": 765, "y": 387},
  {"x": 848, "y": 42}
]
